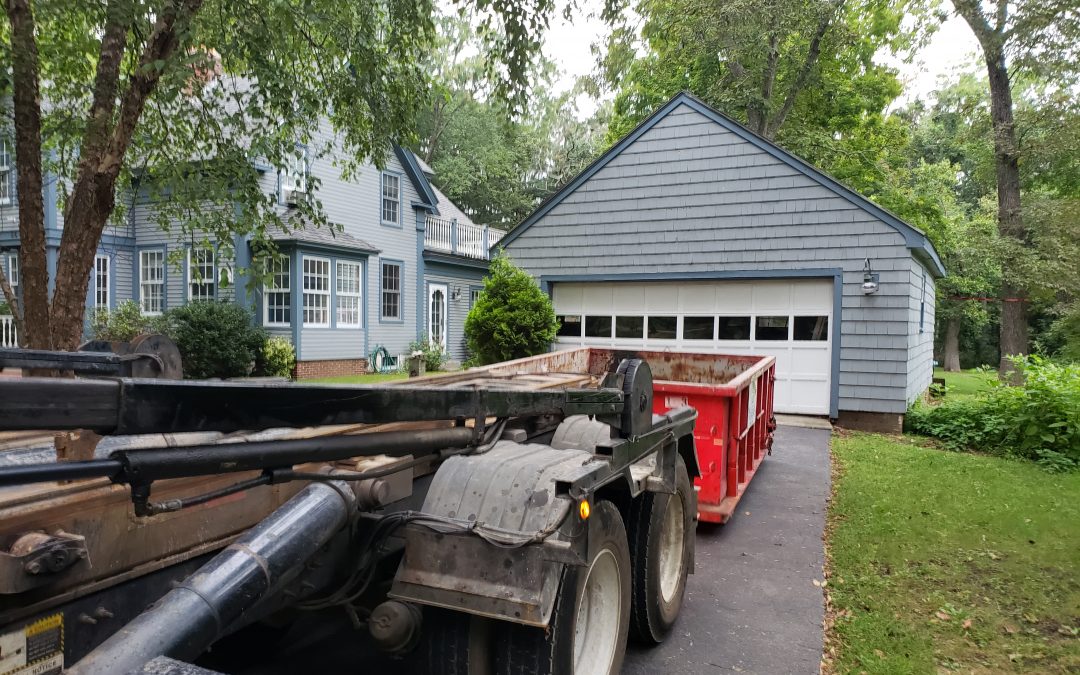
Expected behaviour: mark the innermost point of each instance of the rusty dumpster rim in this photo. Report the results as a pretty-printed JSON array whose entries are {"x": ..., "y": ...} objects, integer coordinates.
[
  {"x": 599, "y": 616},
  {"x": 671, "y": 549}
]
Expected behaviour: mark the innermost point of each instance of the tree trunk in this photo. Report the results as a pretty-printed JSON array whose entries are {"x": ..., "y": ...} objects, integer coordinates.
[
  {"x": 952, "y": 345},
  {"x": 27, "y": 116},
  {"x": 1014, "y": 325}
]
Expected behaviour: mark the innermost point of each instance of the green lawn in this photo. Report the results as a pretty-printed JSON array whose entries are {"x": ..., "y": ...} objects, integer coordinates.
[
  {"x": 966, "y": 382},
  {"x": 946, "y": 562},
  {"x": 369, "y": 378}
]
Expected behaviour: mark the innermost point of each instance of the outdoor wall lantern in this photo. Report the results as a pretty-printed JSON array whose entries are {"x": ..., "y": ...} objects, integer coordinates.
[
  {"x": 870, "y": 279},
  {"x": 455, "y": 292}
]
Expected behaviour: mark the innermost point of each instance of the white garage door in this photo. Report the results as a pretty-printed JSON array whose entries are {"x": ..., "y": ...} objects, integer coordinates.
[{"x": 790, "y": 320}]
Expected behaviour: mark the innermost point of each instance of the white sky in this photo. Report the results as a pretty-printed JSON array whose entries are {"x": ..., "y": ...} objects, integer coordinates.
[{"x": 568, "y": 44}]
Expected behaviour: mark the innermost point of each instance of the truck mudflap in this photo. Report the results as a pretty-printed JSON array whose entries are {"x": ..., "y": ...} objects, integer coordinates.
[{"x": 525, "y": 511}]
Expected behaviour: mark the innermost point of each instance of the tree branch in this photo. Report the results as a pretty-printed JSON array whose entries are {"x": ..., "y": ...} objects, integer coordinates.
[{"x": 803, "y": 77}]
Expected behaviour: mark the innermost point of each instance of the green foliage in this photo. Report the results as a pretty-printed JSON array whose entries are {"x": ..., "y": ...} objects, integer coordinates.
[
  {"x": 216, "y": 339},
  {"x": 434, "y": 355},
  {"x": 1039, "y": 420},
  {"x": 512, "y": 318},
  {"x": 124, "y": 323},
  {"x": 988, "y": 542},
  {"x": 1062, "y": 340},
  {"x": 277, "y": 358}
]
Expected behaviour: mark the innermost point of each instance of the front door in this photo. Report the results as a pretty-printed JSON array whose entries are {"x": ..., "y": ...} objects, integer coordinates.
[{"x": 437, "y": 315}]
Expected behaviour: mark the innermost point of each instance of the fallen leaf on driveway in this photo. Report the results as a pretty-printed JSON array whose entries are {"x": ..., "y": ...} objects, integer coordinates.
[{"x": 817, "y": 583}]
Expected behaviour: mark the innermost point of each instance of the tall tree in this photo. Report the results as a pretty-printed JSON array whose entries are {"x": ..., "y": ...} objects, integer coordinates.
[
  {"x": 796, "y": 71},
  {"x": 1040, "y": 35},
  {"x": 111, "y": 96}
]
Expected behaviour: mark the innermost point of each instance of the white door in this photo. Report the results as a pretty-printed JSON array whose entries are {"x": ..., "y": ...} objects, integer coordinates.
[
  {"x": 437, "y": 314},
  {"x": 789, "y": 319}
]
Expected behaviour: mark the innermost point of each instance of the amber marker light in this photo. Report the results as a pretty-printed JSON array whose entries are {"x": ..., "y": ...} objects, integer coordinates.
[{"x": 584, "y": 509}]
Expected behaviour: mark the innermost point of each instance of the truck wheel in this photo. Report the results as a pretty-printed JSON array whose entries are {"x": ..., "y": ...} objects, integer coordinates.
[
  {"x": 588, "y": 628},
  {"x": 661, "y": 545},
  {"x": 457, "y": 643}
]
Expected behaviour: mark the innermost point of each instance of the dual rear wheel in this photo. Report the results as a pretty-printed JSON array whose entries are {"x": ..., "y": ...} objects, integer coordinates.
[{"x": 632, "y": 587}]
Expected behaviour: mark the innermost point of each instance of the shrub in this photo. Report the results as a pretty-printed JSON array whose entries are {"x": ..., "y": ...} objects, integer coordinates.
[
  {"x": 277, "y": 358},
  {"x": 1039, "y": 420},
  {"x": 434, "y": 356},
  {"x": 512, "y": 318},
  {"x": 125, "y": 322},
  {"x": 216, "y": 339}
]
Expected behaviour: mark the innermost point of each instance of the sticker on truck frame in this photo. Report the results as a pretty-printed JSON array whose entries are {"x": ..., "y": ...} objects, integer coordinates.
[{"x": 35, "y": 649}]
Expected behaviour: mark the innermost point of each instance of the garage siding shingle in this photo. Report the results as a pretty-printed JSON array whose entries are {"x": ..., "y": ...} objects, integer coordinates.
[{"x": 691, "y": 196}]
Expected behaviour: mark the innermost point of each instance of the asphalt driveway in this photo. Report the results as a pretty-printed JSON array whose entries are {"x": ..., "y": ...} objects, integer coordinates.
[{"x": 751, "y": 604}]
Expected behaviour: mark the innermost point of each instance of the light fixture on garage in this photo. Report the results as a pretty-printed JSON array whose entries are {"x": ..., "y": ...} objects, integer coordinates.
[{"x": 870, "y": 279}]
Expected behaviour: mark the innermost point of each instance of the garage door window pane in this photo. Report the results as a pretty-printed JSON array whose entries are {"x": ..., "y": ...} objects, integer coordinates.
[
  {"x": 662, "y": 327},
  {"x": 812, "y": 328},
  {"x": 598, "y": 326},
  {"x": 772, "y": 328},
  {"x": 569, "y": 326},
  {"x": 630, "y": 327},
  {"x": 697, "y": 327},
  {"x": 734, "y": 328}
]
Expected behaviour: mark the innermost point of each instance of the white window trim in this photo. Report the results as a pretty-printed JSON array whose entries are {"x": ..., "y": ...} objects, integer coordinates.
[
  {"x": 383, "y": 198},
  {"x": 267, "y": 290},
  {"x": 13, "y": 270},
  {"x": 359, "y": 294},
  {"x": 143, "y": 282},
  {"x": 5, "y": 172},
  {"x": 304, "y": 292},
  {"x": 108, "y": 282},
  {"x": 213, "y": 275},
  {"x": 400, "y": 290},
  {"x": 294, "y": 177}
]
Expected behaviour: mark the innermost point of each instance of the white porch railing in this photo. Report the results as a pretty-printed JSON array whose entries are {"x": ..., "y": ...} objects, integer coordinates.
[
  {"x": 8, "y": 335},
  {"x": 450, "y": 236}
]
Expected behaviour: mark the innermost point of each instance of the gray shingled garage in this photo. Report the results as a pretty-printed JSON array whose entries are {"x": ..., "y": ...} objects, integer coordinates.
[{"x": 694, "y": 233}]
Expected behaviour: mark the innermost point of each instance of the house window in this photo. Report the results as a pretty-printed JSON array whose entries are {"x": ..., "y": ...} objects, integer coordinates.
[
  {"x": 152, "y": 281},
  {"x": 316, "y": 291},
  {"x": 391, "y": 198},
  {"x": 698, "y": 328},
  {"x": 101, "y": 282},
  {"x": 278, "y": 293},
  {"x": 5, "y": 171},
  {"x": 294, "y": 177},
  {"x": 662, "y": 327},
  {"x": 474, "y": 296},
  {"x": 349, "y": 302},
  {"x": 598, "y": 326},
  {"x": 811, "y": 328},
  {"x": 13, "y": 270},
  {"x": 772, "y": 328},
  {"x": 922, "y": 307},
  {"x": 569, "y": 325},
  {"x": 391, "y": 291},
  {"x": 225, "y": 276},
  {"x": 200, "y": 274}
]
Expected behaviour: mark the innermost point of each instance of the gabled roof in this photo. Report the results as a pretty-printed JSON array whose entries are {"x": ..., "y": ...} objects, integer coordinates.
[
  {"x": 916, "y": 240},
  {"x": 414, "y": 170}
]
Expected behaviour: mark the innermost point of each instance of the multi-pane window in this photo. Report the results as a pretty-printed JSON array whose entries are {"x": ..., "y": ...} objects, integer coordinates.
[
  {"x": 294, "y": 176},
  {"x": 391, "y": 198},
  {"x": 391, "y": 291},
  {"x": 13, "y": 270},
  {"x": 101, "y": 282},
  {"x": 201, "y": 273},
  {"x": 5, "y": 171},
  {"x": 278, "y": 293},
  {"x": 349, "y": 301},
  {"x": 152, "y": 281},
  {"x": 316, "y": 286},
  {"x": 474, "y": 297},
  {"x": 225, "y": 276}
]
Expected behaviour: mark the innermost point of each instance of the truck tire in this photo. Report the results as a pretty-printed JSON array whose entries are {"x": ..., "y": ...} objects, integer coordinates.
[
  {"x": 589, "y": 624},
  {"x": 661, "y": 536},
  {"x": 457, "y": 643}
]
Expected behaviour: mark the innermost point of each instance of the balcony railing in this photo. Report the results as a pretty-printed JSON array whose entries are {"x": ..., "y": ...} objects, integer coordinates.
[
  {"x": 8, "y": 335},
  {"x": 450, "y": 236}
]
